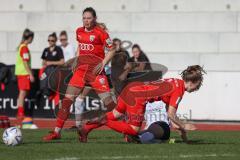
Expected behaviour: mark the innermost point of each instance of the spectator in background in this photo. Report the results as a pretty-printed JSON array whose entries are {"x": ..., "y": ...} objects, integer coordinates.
[
  {"x": 118, "y": 43},
  {"x": 52, "y": 55},
  {"x": 140, "y": 58},
  {"x": 23, "y": 71},
  {"x": 68, "y": 49}
]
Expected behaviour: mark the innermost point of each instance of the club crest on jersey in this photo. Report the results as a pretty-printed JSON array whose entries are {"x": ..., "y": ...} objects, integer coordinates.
[
  {"x": 102, "y": 81},
  {"x": 25, "y": 56},
  {"x": 54, "y": 53},
  {"x": 92, "y": 37},
  {"x": 109, "y": 41}
]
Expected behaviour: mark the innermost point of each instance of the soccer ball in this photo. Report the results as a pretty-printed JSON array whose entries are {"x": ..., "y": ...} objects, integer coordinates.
[{"x": 12, "y": 136}]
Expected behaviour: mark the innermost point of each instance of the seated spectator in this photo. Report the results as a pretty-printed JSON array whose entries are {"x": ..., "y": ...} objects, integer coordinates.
[
  {"x": 68, "y": 49},
  {"x": 118, "y": 43},
  {"x": 140, "y": 59},
  {"x": 52, "y": 55}
]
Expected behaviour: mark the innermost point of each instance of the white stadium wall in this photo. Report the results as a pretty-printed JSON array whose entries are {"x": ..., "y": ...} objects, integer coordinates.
[{"x": 175, "y": 33}]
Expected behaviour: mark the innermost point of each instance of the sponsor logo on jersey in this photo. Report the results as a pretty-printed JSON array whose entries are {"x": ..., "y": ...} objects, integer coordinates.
[
  {"x": 102, "y": 81},
  {"x": 86, "y": 47}
]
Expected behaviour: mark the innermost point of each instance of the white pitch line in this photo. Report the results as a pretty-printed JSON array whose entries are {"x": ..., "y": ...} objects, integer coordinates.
[{"x": 186, "y": 156}]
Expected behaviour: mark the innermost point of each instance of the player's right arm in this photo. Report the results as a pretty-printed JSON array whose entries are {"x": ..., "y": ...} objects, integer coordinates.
[
  {"x": 178, "y": 124},
  {"x": 75, "y": 60}
]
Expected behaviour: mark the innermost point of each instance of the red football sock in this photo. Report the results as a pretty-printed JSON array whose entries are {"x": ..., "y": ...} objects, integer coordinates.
[
  {"x": 2, "y": 86},
  {"x": 60, "y": 123},
  {"x": 121, "y": 127},
  {"x": 109, "y": 116},
  {"x": 90, "y": 127},
  {"x": 20, "y": 111},
  {"x": 64, "y": 112}
]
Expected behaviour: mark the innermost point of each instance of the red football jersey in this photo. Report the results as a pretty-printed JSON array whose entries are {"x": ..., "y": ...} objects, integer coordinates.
[
  {"x": 93, "y": 42},
  {"x": 174, "y": 97}
]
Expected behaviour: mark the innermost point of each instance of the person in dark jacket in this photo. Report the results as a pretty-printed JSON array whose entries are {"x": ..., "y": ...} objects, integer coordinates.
[{"x": 140, "y": 59}]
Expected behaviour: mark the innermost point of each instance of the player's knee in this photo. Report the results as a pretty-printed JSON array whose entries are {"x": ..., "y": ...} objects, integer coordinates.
[
  {"x": 81, "y": 96},
  {"x": 146, "y": 137},
  {"x": 69, "y": 96}
]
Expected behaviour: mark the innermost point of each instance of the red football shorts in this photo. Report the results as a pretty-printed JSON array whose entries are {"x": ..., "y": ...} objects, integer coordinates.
[
  {"x": 24, "y": 82},
  {"x": 83, "y": 76},
  {"x": 134, "y": 114}
]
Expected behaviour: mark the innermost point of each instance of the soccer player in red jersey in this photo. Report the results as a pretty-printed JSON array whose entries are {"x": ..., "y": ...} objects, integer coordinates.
[
  {"x": 23, "y": 71},
  {"x": 79, "y": 101},
  {"x": 134, "y": 96},
  {"x": 92, "y": 40}
]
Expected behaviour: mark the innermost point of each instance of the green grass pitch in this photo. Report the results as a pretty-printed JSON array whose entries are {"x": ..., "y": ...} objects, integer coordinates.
[{"x": 108, "y": 145}]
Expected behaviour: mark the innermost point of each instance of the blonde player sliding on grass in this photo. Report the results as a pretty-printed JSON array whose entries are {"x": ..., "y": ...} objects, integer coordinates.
[{"x": 133, "y": 98}]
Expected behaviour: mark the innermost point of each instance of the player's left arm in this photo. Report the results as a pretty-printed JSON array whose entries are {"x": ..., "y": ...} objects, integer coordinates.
[
  {"x": 110, "y": 54},
  {"x": 107, "y": 42}
]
